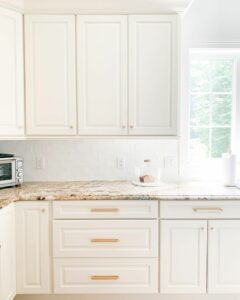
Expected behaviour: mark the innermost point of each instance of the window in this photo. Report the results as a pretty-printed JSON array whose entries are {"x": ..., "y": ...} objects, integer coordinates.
[{"x": 212, "y": 104}]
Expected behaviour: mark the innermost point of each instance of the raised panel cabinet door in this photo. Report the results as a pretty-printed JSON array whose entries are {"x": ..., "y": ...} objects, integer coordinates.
[
  {"x": 153, "y": 74},
  {"x": 102, "y": 75},
  {"x": 33, "y": 261},
  {"x": 183, "y": 257},
  {"x": 7, "y": 253},
  {"x": 50, "y": 74},
  {"x": 224, "y": 257},
  {"x": 11, "y": 74}
]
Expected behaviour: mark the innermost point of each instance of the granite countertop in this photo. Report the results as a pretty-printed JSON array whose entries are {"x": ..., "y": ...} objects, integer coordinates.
[{"x": 115, "y": 190}]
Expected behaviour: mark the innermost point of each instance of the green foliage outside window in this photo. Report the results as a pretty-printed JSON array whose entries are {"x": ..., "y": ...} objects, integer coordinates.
[{"x": 210, "y": 107}]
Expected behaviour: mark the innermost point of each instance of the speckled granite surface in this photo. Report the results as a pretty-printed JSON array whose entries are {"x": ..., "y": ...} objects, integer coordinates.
[{"x": 115, "y": 190}]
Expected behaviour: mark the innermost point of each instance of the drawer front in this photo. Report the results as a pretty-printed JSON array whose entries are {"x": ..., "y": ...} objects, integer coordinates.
[
  {"x": 200, "y": 210},
  {"x": 121, "y": 275},
  {"x": 105, "y": 238},
  {"x": 142, "y": 209}
]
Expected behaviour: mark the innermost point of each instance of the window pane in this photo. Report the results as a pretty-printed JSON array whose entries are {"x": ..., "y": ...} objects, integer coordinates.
[
  {"x": 221, "y": 141},
  {"x": 222, "y": 109},
  {"x": 200, "y": 110},
  {"x": 222, "y": 73},
  {"x": 199, "y": 145},
  {"x": 211, "y": 105},
  {"x": 200, "y": 76}
]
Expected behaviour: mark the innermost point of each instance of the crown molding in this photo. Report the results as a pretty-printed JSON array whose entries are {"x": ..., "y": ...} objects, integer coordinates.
[
  {"x": 17, "y": 5},
  {"x": 97, "y": 6}
]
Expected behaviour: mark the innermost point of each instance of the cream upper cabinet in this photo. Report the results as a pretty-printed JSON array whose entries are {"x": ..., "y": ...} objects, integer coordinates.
[
  {"x": 7, "y": 253},
  {"x": 102, "y": 75},
  {"x": 153, "y": 74},
  {"x": 50, "y": 74},
  {"x": 33, "y": 248},
  {"x": 11, "y": 74},
  {"x": 224, "y": 257},
  {"x": 183, "y": 256}
]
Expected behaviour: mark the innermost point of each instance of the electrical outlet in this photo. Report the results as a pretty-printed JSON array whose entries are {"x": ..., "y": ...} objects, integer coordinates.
[
  {"x": 169, "y": 162},
  {"x": 40, "y": 162},
  {"x": 120, "y": 163}
]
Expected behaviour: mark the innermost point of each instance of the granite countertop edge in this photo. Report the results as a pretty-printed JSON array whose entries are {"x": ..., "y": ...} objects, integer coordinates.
[{"x": 114, "y": 190}]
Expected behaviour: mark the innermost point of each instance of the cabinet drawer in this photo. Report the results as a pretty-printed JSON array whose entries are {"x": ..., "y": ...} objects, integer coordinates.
[
  {"x": 105, "y": 209},
  {"x": 105, "y": 238},
  {"x": 200, "y": 210},
  {"x": 76, "y": 276}
]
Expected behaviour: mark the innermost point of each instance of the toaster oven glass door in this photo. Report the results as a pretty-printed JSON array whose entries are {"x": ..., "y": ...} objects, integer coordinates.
[{"x": 7, "y": 172}]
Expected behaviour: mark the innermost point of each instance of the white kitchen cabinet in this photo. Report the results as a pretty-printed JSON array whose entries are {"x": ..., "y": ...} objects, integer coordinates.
[
  {"x": 105, "y": 238},
  {"x": 33, "y": 250},
  {"x": 153, "y": 74},
  {"x": 183, "y": 255},
  {"x": 224, "y": 257},
  {"x": 108, "y": 275},
  {"x": 50, "y": 74},
  {"x": 102, "y": 74},
  {"x": 11, "y": 74},
  {"x": 7, "y": 253},
  {"x": 105, "y": 209}
]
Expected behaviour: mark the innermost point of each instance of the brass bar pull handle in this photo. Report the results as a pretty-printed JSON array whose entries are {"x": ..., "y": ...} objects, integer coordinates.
[
  {"x": 105, "y": 209},
  {"x": 105, "y": 240},
  {"x": 104, "y": 277},
  {"x": 208, "y": 209}
]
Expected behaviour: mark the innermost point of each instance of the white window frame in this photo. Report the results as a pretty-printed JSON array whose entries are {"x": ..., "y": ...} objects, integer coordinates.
[{"x": 187, "y": 168}]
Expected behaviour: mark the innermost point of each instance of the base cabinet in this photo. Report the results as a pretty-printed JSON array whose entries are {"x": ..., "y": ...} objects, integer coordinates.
[
  {"x": 108, "y": 275},
  {"x": 200, "y": 255},
  {"x": 116, "y": 255},
  {"x": 183, "y": 256},
  {"x": 33, "y": 252},
  {"x": 224, "y": 257},
  {"x": 116, "y": 251},
  {"x": 7, "y": 253}
]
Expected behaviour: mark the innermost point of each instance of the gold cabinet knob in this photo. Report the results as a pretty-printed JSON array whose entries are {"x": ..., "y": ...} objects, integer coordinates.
[
  {"x": 123, "y": 126},
  {"x": 131, "y": 126},
  {"x": 71, "y": 126},
  {"x": 43, "y": 210}
]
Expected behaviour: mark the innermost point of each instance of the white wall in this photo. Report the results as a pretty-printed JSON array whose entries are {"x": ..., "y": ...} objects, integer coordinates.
[
  {"x": 212, "y": 21},
  {"x": 90, "y": 159}
]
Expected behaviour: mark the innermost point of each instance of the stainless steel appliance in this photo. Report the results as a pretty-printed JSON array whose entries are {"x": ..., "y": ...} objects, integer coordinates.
[{"x": 11, "y": 170}]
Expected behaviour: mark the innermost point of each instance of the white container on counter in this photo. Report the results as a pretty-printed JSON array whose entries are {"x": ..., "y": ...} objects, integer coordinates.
[{"x": 229, "y": 162}]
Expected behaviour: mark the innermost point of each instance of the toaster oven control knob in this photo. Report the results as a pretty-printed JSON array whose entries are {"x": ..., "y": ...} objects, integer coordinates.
[
  {"x": 19, "y": 164},
  {"x": 19, "y": 174}
]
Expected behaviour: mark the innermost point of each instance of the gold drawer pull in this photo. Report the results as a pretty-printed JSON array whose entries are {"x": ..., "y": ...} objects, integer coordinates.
[
  {"x": 104, "y": 209},
  {"x": 104, "y": 277},
  {"x": 208, "y": 209},
  {"x": 105, "y": 240}
]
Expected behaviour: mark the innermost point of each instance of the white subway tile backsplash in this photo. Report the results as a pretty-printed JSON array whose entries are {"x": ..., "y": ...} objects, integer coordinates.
[{"x": 90, "y": 159}]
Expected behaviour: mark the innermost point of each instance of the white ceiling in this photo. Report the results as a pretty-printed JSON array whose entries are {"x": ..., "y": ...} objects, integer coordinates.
[{"x": 99, "y": 6}]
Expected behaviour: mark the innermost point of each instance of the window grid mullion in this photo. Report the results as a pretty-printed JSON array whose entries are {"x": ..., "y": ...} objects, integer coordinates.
[{"x": 210, "y": 121}]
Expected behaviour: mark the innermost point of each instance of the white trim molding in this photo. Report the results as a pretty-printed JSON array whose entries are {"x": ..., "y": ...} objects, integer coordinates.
[{"x": 98, "y": 7}]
